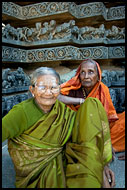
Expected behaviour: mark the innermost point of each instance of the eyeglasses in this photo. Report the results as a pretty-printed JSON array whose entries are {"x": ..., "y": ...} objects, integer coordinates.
[{"x": 42, "y": 88}]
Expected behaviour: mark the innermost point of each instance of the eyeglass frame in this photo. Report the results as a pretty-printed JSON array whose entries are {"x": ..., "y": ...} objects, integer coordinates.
[{"x": 44, "y": 90}]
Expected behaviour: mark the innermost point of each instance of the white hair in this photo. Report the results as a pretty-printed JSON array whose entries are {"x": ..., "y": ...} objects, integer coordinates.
[{"x": 43, "y": 71}]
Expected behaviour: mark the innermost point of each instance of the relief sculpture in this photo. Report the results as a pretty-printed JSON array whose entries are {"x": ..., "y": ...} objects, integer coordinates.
[{"x": 68, "y": 30}]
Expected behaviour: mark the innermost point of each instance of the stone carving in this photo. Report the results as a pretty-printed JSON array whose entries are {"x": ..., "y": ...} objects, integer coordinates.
[
  {"x": 16, "y": 54},
  {"x": 9, "y": 101},
  {"x": 5, "y": 82},
  {"x": 64, "y": 30},
  {"x": 61, "y": 53},
  {"x": 89, "y": 33},
  {"x": 12, "y": 9},
  {"x": 115, "y": 33},
  {"x": 106, "y": 78},
  {"x": 52, "y": 31},
  {"x": 116, "y": 52},
  {"x": 113, "y": 78},
  {"x": 13, "y": 81},
  {"x": 113, "y": 97},
  {"x": 51, "y": 8},
  {"x": 94, "y": 52},
  {"x": 120, "y": 99},
  {"x": 91, "y": 9},
  {"x": 114, "y": 13}
]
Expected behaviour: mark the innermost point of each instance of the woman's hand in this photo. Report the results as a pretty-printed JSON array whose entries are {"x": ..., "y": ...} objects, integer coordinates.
[
  {"x": 81, "y": 100},
  {"x": 109, "y": 178}
]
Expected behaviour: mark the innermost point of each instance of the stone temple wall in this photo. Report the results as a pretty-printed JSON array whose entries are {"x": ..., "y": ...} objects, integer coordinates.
[{"x": 61, "y": 35}]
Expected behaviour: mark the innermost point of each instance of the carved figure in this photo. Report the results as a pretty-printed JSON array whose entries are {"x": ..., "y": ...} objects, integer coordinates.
[
  {"x": 5, "y": 82},
  {"x": 64, "y": 30},
  {"x": 105, "y": 77},
  {"x": 85, "y": 33},
  {"x": 115, "y": 33},
  {"x": 44, "y": 33},
  {"x": 38, "y": 30},
  {"x": 113, "y": 75},
  {"x": 11, "y": 79},
  {"x": 113, "y": 96},
  {"x": 14, "y": 78},
  {"x": 20, "y": 76},
  {"x": 30, "y": 33},
  {"x": 52, "y": 27},
  {"x": 99, "y": 32},
  {"x": 120, "y": 75},
  {"x": 75, "y": 32},
  {"x": 5, "y": 31},
  {"x": 21, "y": 34},
  {"x": 121, "y": 33}
]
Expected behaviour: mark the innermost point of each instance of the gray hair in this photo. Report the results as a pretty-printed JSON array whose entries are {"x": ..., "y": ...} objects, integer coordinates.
[{"x": 43, "y": 71}]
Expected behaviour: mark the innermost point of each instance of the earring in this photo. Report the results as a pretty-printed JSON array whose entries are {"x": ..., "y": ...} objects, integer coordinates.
[{"x": 33, "y": 95}]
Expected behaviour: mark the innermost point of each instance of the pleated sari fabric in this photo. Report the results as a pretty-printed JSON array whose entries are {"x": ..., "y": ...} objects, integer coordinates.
[
  {"x": 63, "y": 148},
  {"x": 90, "y": 148},
  {"x": 37, "y": 153}
]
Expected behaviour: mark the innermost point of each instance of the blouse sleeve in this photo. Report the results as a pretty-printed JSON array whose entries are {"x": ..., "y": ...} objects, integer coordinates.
[{"x": 14, "y": 123}]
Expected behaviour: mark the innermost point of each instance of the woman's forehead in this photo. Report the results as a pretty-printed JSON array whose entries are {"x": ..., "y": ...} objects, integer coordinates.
[
  {"x": 88, "y": 65},
  {"x": 47, "y": 79}
]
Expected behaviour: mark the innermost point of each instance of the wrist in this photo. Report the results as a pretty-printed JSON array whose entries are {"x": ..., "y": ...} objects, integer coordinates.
[{"x": 81, "y": 100}]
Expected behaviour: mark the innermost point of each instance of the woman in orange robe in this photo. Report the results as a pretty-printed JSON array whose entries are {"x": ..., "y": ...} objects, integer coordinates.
[{"x": 78, "y": 90}]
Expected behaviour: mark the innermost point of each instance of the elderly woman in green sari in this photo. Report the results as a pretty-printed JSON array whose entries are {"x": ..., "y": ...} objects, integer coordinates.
[{"x": 52, "y": 146}]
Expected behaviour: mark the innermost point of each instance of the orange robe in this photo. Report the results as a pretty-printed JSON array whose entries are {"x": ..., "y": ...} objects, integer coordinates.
[{"x": 101, "y": 91}]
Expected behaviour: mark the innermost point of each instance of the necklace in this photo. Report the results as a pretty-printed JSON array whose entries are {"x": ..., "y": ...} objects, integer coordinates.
[{"x": 84, "y": 93}]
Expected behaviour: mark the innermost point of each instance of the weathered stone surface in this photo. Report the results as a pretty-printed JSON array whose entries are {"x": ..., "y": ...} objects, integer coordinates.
[
  {"x": 14, "y": 81},
  {"x": 51, "y": 8},
  {"x": 61, "y": 53},
  {"x": 115, "y": 13},
  {"x": 9, "y": 101},
  {"x": 116, "y": 52},
  {"x": 50, "y": 32}
]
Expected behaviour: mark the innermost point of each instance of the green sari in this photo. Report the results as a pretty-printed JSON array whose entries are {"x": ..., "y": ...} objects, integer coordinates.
[
  {"x": 37, "y": 154},
  {"x": 90, "y": 148},
  {"x": 60, "y": 151}
]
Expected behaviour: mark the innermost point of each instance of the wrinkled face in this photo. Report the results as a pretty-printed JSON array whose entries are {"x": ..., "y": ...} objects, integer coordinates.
[
  {"x": 46, "y": 90},
  {"x": 88, "y": 75}
]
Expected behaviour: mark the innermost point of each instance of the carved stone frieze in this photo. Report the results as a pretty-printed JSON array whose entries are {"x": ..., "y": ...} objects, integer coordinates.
[
  {"x": 61, "y": 53},
  {"x": 16, "y": 54},
  {"x": 65, "y": 32},
  {"x": 115, "y": 13},
  {"x": 91, "y": 9},
  {"x": 51, "y": 8},
  {"x": 44, "y": 9},
  {"x": 94, "y": 52},
  {"x": 12, "y": 9},
  {"x": 116, "y": 52}
]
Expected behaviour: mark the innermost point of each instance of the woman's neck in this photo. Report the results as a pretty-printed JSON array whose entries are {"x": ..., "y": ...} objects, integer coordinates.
[{"x": 87, "y": 91}]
